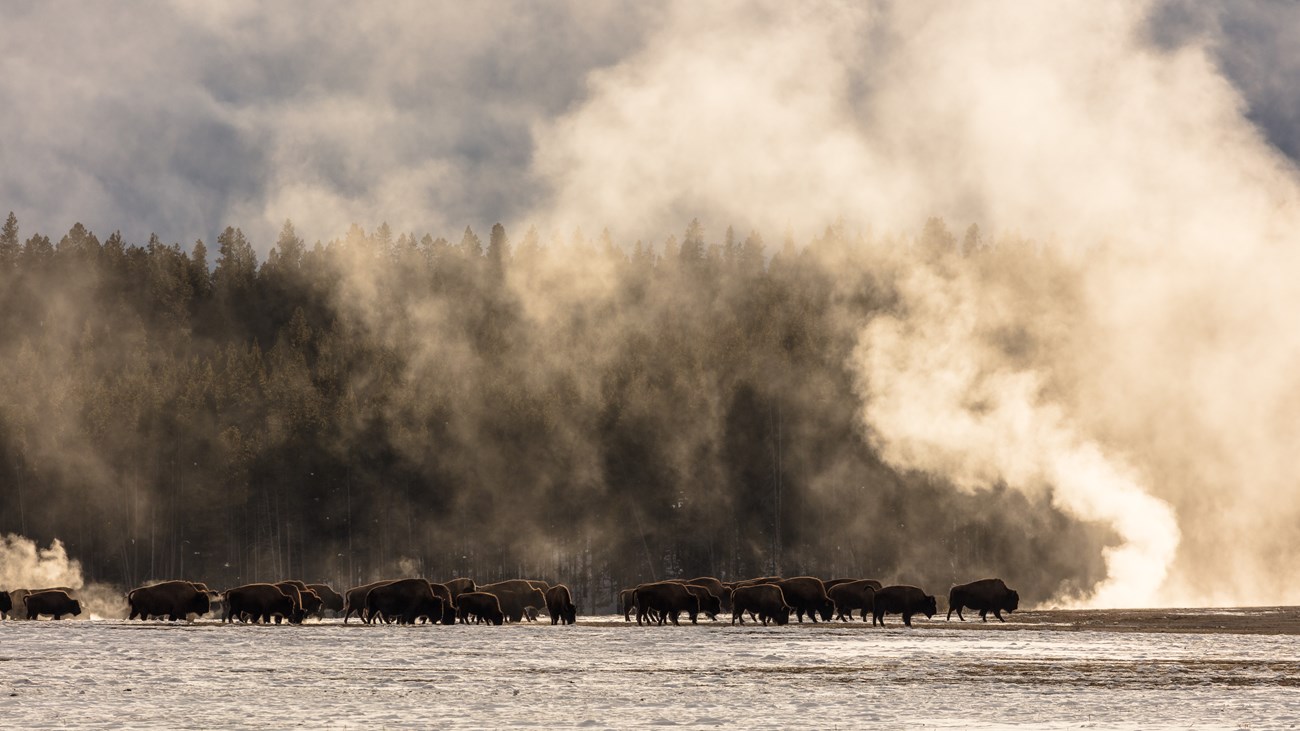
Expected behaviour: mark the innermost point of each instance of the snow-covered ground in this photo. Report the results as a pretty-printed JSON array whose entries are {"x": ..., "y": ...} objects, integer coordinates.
[{"x": 604, "y": 673}]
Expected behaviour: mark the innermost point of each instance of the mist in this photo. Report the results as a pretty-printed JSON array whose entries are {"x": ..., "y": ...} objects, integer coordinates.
[
  {"x": 1150, "y": 391},
  {"x": 25, "y": 565},
  {"x": 922, "y": 292}
]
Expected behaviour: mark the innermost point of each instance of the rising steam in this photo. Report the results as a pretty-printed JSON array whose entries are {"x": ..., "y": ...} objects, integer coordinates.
[
  {"x": 1151, "y": 391},
  {"x": 25, "y": 565}
]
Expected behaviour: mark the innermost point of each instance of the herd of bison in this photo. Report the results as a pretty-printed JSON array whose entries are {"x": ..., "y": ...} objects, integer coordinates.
[{"x": 408, "y": 601}]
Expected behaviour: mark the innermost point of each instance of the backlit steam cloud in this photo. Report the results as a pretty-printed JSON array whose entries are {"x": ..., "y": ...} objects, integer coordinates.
[
  {"x": 25, "y": 565},
  {"x": 1153, "y": 390}
]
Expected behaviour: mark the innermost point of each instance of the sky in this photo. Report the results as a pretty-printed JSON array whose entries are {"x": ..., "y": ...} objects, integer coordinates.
[{"x": 180, "y": 118}]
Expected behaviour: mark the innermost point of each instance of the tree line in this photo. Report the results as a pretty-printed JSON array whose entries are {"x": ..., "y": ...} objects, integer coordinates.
[{"x": 383, "y": 403}]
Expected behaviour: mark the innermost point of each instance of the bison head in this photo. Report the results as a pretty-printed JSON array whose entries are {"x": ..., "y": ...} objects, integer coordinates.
[
  {"x": 76, "y": 608},
  {"x": 1012, "y": 601},
  {"x": 928, "y": 606}
]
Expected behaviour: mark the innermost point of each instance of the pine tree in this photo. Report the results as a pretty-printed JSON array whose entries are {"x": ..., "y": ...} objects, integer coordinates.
[
  {"x": 470, "y": 246},
  {"x": 498, "y": 252},
  {"x": 9, "y": 248}
]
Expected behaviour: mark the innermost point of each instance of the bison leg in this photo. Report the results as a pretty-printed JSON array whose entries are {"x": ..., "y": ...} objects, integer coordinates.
[
  {"x": 998, "y": 613},
  {"x": 907, "y": 618}
]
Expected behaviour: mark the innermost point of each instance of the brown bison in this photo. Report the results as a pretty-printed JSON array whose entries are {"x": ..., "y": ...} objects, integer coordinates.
[
  {"x": 805, "y": 594},
  {"x": 54, "y": 602},
  {"x": 311, "y": 601},
  {"x": 481, "y": 606},
  {"x": 559, "y": 604},
  {"x": 291, "y": 590},
  {"x": 710, "y": 604},
  {"x": 6, "y": 604},
  {"x": 259, "y": 603},
  {"x": 517, "y": 596},
  {"x": 460, "y": 586},
  {"x": 16, "y": 596},
  {"x": 405, "y": 600},
  {"x": 905, "y": 600},
  {"x": 627, "y": 598},
  {"x": 443, "y": 592},
  {"x": 174, "y": 600},
  {"x": 329, "y": 599},
  {"x": 668, "y": 599},
  {"x": 765, "y": 601},
  {"x": 715, "y": 587},
  {"x": 857, "y": 594},
  {"x": 354, "y": 602},
  {"x": 985, "y": 595}
]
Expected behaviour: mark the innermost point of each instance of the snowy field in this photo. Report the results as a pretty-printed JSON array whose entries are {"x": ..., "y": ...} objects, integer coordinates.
[{"x": 1049, "y": 670}]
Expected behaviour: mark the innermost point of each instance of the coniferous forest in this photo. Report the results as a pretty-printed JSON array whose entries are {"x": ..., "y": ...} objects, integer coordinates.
[{"x": 508, "y": 405}]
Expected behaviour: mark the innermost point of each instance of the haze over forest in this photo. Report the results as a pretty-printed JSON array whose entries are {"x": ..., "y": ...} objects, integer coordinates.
[{"x": 917, "y": 292}]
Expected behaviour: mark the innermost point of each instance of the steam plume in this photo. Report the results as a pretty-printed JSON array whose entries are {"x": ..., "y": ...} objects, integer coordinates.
[{"x": 1145, "y": 390}]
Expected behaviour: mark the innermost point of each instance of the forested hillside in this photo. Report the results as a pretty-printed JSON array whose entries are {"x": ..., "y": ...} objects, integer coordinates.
[{"x": 385, "y": 403}]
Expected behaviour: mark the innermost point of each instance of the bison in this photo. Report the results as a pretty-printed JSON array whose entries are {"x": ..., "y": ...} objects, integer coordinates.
[
  {"x": 855, "y": 594},
  {"x": 54, "y": 602},
  {"x": 710, "y": 604},
  {"x": 405, "y": 600},
  {"x": 459, "y": 586},
  {"x": 329, "y": 599},
  {"x": 517, "y": 596},
  {"x": 309, "y": 602},
  {"x": 355, "y": 600},
  {"x": 668, "y": 599},
  {"x": 443, "y": 592},
  {"x": 16, "y": 597},
  {"x": 717, "y": 588},
  {"x": 6, "y": 604},
  {"x": 764, "y": 601},
  {"x": 480, "y": 605},
  {"x": 291, "y": 590},
  {"x": 905, "y": 600},
  {"x": 559, "y": 604},
  {"x": 627, "y": 599},
  {"x": 805, "y": 594},
  {"x": 985, "y": 595},
  {"x": 171, "y": 599},
  {"x": 259, "y": 602}
]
